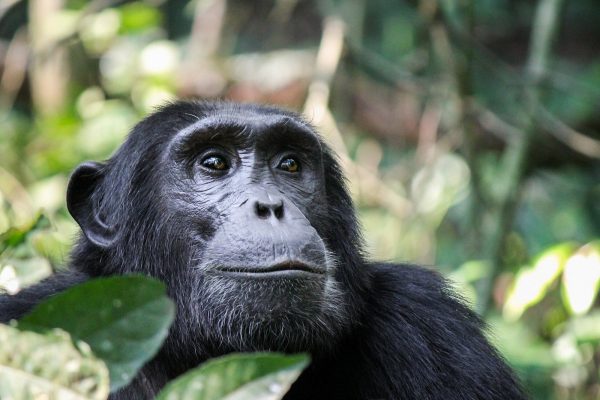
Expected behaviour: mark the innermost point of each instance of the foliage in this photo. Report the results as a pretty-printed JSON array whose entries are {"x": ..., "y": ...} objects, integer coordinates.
[
  {"x": 124, "y": 320},
  {"x": 34, "y": 365},
  {"x": 260, "y": 376},
  {"x": 109, "y": 340}
]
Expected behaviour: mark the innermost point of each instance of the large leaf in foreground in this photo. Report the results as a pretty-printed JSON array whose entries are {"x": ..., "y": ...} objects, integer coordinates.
[
  {"x": 124, "y": 320},
  {"x": 259, "y": 376},
  {"x": 35, "y": 366}
]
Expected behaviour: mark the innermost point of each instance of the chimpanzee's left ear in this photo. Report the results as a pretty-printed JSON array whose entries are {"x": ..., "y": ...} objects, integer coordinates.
[{"x": 82, "y": 185}]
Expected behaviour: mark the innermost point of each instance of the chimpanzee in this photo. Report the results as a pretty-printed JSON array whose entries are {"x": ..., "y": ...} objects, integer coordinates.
[{"x": 243, "y": 212}]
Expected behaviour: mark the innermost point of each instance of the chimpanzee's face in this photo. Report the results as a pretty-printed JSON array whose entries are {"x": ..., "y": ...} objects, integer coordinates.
[{"x": 248, "y": 192}]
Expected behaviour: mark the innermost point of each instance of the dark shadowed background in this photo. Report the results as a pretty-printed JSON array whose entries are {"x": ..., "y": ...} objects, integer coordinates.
[{"x": 469, "y": 131}]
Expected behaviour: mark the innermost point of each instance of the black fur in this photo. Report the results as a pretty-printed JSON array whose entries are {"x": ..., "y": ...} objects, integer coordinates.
[{"x": 374, "y": 330}]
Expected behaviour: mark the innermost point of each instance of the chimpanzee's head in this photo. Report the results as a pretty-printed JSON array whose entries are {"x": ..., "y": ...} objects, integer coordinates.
[{"x": 241, "y": 210}]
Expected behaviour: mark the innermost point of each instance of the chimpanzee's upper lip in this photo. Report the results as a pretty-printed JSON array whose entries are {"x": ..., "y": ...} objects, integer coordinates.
[{"x": 285, "y": 266}]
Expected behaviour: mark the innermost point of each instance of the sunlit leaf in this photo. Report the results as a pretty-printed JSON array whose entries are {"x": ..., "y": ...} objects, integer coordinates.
[
  {"x": 260, "y": 376},
  {"x": 137, "y": 16},
  {"x": 581, "y": 279},
  {"x": 18, "y": 273},
  {"x": 160, "y": 58},
  {"x": 8, "y": 279},
  {"x": 532, "y": 283},
  {"x": 35, "y": 366},
  {"x": 123, "y": 319}
]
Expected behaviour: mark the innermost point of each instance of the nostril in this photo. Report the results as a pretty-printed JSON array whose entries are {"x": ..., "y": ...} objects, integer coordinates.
[
  {"x": 262, "y": 211},
  {"x": 278, "y": 211}
]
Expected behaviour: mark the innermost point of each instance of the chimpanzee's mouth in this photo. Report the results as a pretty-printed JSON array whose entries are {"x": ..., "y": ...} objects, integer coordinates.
[{"x": 283, "y": 269}]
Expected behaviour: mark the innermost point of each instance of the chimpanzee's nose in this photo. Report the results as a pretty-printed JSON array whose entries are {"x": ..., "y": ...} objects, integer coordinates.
[{"x": 264, "y": 209}]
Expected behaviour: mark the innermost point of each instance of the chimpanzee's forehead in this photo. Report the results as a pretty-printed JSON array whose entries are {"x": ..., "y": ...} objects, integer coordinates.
[
  {"x": 234, "y": 111},
  {"x": 250, "y": 124}
]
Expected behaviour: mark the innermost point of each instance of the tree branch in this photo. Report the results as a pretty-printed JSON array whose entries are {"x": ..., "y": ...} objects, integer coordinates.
[{"x": 515, "y": 159}]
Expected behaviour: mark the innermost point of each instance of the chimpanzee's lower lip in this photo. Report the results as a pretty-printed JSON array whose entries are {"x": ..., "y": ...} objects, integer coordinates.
[{"x": 282, "y": 269}]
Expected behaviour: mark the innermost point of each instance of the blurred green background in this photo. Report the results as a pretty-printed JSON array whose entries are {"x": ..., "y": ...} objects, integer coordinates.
[{"x": 469, "y": 130}]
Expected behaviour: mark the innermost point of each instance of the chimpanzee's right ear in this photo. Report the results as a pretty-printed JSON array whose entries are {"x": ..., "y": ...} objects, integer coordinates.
[{"x": 83, "y": 183}]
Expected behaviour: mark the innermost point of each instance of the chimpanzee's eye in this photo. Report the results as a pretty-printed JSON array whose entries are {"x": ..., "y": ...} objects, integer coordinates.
[
  {"x": 289, "y": 164},
  {"x": 214, "y": 162}
]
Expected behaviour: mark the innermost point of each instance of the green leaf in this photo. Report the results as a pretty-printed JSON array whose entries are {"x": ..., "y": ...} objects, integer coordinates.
[
  {"x": 16, "y": 236},
  {"x": 258, "y": 376},
  {"x": 35, "y": 366},
  {"x": 123, "y": 319}
]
